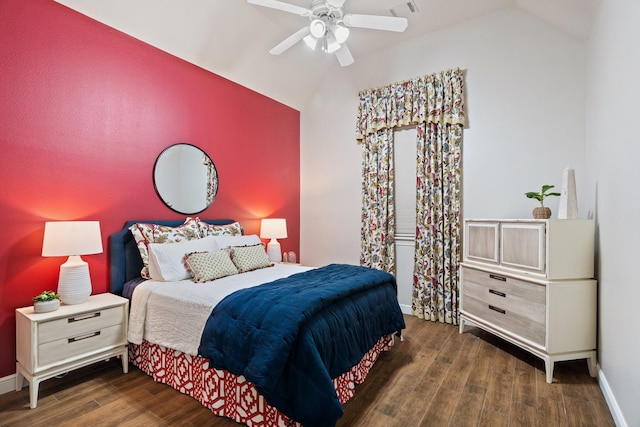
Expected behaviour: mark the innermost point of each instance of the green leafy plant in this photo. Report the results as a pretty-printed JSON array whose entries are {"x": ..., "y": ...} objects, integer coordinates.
[
  {"x": 540, "y": 196},
  {"x": 46, "y": 296}
]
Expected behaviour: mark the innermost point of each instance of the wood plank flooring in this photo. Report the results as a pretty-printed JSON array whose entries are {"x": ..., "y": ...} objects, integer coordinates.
[{"x": 435, "y": 377}]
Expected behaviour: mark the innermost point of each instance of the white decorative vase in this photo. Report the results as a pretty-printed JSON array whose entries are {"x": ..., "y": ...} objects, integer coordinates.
[
  {"x": 46, "y": 306},
  {"x": 568, "y": 207}
]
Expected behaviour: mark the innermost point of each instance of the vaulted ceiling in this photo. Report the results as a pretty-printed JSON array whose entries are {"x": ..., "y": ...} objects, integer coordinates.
[{"x": 232, "y": 38}]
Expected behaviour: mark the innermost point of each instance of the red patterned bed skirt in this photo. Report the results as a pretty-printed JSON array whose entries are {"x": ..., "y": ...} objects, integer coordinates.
[{"x": 229, "y": 395}]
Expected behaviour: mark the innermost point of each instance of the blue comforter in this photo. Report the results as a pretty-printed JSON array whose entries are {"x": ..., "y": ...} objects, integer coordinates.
[{"x": 290, "y": 337}]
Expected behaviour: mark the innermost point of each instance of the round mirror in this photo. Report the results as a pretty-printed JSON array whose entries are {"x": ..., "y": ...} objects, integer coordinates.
[{"x": 185, "y": 178}]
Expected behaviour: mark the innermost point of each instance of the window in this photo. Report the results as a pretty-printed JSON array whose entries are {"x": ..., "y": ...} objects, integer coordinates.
[{"x": 405, "y": 180}]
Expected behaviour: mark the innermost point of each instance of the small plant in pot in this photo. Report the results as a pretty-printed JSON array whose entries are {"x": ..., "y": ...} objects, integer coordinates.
[
  {"x": 46, "y": 301},
  {"x": 541, "y": 212}
]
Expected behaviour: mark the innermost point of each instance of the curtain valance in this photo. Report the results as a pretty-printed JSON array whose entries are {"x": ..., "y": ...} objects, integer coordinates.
[{"x": 433, "y": 98}]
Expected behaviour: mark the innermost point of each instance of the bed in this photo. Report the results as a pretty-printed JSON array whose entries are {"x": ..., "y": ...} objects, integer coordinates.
[{"x": 264, "y": 370}]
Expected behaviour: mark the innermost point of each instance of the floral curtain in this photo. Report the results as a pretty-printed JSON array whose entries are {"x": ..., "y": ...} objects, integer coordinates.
[
  {"x": 377, "y": 249},
  {"x": 437, "y": 246},
  {"x": 435, "y": 105},
  {"x": 434, "y": 98}
]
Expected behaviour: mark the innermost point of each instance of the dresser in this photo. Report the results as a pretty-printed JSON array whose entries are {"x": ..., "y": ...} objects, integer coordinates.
[
  {"x": 531, "y": 283},
  {"x": 50, "y": 344}
]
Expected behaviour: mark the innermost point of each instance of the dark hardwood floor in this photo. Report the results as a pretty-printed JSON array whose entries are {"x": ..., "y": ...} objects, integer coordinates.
[{"x": 435, "y": 377}]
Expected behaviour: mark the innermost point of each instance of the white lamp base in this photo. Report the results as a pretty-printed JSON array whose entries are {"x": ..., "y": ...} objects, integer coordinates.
[
  {"x": 74, "y": 283},
  {"x": 274, "y": 252}
]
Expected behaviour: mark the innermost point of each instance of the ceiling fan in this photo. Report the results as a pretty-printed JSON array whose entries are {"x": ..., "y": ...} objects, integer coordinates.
[{"x": 329, "y": 26}]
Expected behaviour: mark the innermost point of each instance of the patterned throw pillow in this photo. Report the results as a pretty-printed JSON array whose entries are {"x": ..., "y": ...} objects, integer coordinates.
[
  {"x": 207, "y": 266},
  {"x": 248, "y": 258},
  {"x": 154, "y": 233},
  {"x": 233, "y": 229}
]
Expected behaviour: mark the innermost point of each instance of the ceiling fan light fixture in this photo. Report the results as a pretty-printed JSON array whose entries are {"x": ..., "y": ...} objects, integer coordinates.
[
  {"x": 328, "y": 25},
  {"x": 318, "y": 28},
  {"x": 311, "y": 41},
  {"x": 341, "y": 33},
  {"x": 330, "y": 44}
]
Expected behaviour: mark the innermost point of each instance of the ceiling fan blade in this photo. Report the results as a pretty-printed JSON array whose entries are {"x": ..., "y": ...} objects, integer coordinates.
[
  {"x": 376, "y": 22},
  {"x": 280, "y": 5},
  {"x": 290, "y": 41},
  {"x": 344, "y": 56}
]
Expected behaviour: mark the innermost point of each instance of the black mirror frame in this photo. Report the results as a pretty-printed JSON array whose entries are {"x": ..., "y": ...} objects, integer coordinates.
[{"x": 210, "y": 199}]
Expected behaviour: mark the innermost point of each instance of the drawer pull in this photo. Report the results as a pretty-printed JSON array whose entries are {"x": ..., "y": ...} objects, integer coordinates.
[
  {"x": 82, "y": 337},
  {"x": 500, "y": 294},
  {"x": 496, "y": 277},
  {"x": 499, "y": 310},
  {"x": 83, "y": 317}
]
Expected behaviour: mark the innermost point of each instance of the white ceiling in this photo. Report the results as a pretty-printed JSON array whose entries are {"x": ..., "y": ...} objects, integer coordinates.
[{"x": 232, "y": 38}]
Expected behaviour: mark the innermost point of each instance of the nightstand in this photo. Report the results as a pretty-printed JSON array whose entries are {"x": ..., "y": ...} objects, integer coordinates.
[{"x": 50, "y": 344}]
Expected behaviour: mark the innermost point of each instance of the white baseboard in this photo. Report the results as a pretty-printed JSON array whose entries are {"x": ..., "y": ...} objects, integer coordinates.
[
  {"x": 8, "y": 384},
  {"x": 406, "y": 309},
  {"x": 616, "y": 413}
]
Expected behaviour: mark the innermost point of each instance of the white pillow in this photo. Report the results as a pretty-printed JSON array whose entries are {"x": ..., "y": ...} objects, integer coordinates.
[
  {"x": 225, "y": 241},
  {"x": 166, "y": 260}
]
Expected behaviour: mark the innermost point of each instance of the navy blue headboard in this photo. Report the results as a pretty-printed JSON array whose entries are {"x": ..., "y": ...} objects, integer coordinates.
[{"x": 125, "y": 262}]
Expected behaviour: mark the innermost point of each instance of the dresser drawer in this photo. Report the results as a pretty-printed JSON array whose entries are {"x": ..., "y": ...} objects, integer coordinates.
[
  {"x": 79, "y": 324},
  {"x": 80, "y": 345},
  {"x": 503, "y": 284},
  {"x": 510, "y": 304}
]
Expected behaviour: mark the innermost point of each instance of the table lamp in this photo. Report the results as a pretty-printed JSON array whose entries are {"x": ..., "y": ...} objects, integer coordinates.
[
  {"x": 72, "y": 239},
  {"x": 273, "y": 228}
]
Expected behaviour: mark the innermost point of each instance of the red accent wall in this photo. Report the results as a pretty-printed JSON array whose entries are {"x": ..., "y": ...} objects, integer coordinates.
[{"x": 84, "y": 112}]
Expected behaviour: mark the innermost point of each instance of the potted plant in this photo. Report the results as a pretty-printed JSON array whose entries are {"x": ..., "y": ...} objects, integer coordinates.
[
  {"x": 46, "y": 301},
  {"x": 541, "y": 212}
]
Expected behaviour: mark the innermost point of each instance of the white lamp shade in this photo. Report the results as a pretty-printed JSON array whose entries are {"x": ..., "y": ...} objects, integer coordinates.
[
  {"x": 65, "y": 238},
  {"x": 311, "y": 41},
  {"x": 273, "y": 228},
  {"x": 317, "y": 28},
  {"x": 72, "y": 238},
  {"x": 331, "y": 43},
  {"x": 341, "y": 32}
]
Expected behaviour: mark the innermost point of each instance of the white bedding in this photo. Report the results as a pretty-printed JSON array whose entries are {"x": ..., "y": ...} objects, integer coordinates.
[{"x": 173, "y": 314}]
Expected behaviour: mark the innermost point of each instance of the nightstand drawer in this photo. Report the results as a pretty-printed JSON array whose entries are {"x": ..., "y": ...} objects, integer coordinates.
[
  {"x": 80, "y": 345},
  {"x": 79, "y": 324}
]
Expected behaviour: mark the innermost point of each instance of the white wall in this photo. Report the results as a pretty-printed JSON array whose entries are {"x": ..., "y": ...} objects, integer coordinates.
[
  {"x": 613, "y": 150},
  {"x": 525, "y": 83},
  {"x": 529, "y": 118},
  {"x": 532, "y": 112}
]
